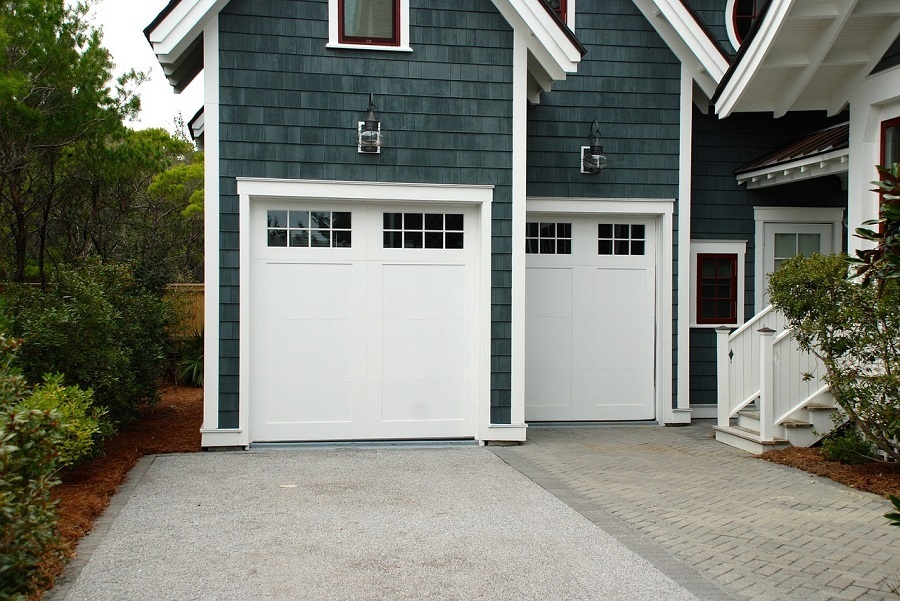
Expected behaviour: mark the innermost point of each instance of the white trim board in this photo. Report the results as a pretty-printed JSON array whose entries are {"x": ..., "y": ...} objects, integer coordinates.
[
  {"x": 664, "y": 210},
  {"x": 211, "y": 240},
  {"x": 687, "y": 40},
  {"x": 334, "y": 34},
  {"x": 831, "y": 163}
]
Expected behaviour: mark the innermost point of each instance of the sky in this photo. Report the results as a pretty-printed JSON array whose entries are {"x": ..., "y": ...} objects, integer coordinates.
[{"x": 123, "y": 22}]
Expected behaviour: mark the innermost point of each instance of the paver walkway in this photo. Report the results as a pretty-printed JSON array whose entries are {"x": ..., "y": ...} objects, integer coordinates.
[{"x": 759, "y": 530}]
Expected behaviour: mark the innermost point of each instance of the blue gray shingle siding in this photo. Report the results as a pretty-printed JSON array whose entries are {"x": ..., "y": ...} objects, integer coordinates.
[
  {"x": 722, "y": 210},
  {"x": 629, "y": 81},
  {"x": 288, "y": 109}
]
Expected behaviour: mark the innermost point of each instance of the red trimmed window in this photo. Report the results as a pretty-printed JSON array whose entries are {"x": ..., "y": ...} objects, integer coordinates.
[
  {"x": 890, "y": 142},
  {"x": 716, "y": 288},
  {"x": 374, "y": 22},
  {"x": 559, "y": 7},
  {"x": 744, "y": 14}
]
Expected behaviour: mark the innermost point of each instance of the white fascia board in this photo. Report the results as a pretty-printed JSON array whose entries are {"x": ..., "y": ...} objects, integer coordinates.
[
  {"x": 831, "y": 163},
  {"x": 543, "y": 37},
  {"x": 754, "y": 57},
  {"x": 179, "y": 29},
  {"x": 687, "y": 40}
]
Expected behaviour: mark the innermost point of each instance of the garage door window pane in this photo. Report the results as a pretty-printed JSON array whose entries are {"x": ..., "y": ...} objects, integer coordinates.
[
  {"x": 548, "y": 238},
  {"x": 423, "y": 230},
  {"x": 621, "y": 239},
  {"x": 305, "y": 229}
]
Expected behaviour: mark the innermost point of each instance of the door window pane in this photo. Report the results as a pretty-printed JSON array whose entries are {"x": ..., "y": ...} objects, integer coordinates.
[
  {"x": 423, "y": 230},
  {"x": 548, "y": 238}
]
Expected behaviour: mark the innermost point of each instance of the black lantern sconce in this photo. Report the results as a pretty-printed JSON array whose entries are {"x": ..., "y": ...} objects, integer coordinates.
[
  {"x": 369, "y": 138},
  {"x": 592, "y": 157}
]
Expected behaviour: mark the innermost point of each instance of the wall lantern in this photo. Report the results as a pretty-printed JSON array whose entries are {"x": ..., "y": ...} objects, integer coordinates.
[
  {"x": 592, "y": 158},
  {"x": 368, "y": 133}
]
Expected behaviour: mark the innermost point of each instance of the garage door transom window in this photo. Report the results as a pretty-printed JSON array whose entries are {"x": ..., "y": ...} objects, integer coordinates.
[
  {"x": 305, "y": 229},
  {"x": 621, "y": 239},
  {"x": 548, "y": 238},
  {"x": 423, "y": 230}
]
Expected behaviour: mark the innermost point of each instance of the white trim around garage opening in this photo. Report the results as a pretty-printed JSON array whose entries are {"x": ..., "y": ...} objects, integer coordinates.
[
  {"x": 263, "y": 189},
  {"x": 663, "y": 210}
]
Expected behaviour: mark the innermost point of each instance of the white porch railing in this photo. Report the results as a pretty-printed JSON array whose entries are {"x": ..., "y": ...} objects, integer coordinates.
[{"x": 760, "y": 361}]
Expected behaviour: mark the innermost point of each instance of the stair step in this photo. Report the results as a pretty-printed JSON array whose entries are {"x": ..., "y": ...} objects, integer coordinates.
[
  {"x": 819, "y": 407},
  {"x": 747, "y": 439},
  {"x": 788, "y": 423}
]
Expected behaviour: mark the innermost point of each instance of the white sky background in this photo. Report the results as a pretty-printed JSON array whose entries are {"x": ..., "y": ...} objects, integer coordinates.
[{"x": 123, "y": 22}]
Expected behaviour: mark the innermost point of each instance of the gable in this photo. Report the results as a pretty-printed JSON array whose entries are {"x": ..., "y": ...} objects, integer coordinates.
[
  {"x": 689, "y": 40},
  {"x": 176, "y": 34}
]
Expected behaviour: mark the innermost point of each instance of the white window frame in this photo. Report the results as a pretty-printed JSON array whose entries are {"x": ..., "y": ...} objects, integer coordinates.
[
  {"x": 833, "y": 216},
  {"x": 334, "y": 34},
  {"x": 718, "y": 247}
]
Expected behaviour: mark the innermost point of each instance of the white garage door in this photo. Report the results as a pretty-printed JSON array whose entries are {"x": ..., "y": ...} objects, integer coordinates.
[
  {"x": 363, "y": 322},
  {"x": 590, "y": 318}
]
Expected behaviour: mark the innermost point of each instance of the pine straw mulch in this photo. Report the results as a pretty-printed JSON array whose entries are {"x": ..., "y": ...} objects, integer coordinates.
[
  {"x": 171, "y": 426},
  {"x": 875, "y": 477}
]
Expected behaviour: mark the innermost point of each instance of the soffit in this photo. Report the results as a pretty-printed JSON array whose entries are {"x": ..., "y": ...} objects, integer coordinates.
[{"x": 808, "y": 55}]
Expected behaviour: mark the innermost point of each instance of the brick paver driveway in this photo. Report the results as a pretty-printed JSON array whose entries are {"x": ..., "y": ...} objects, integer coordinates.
[{"x": 756, "y": 529}]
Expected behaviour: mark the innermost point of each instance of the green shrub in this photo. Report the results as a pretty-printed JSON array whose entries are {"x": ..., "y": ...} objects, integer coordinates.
[
  {"x": 97, "y": 326},
  {"x": 28, "y": 461},
  {"x": 81, "y": 422},
  {"x": 894, "y": 516},
  {"x": 845, "y": 444},
  {"x": 855, "y": 330},
  {"x": 190, "y": 361}
]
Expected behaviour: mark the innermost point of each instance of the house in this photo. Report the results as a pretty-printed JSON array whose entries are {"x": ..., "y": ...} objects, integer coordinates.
[{"x": 449, "y": 219}]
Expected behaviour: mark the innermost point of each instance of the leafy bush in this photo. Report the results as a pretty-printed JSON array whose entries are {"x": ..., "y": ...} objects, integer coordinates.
[
  {"x": 28, "y": 460},
  {"x": 846, "y": 445},
  {"x": 99, "y": 328},
  {"x": 894, "y": 516},
  {"x": 855, "y": 330},
  {"x": 81, "y": 422}
]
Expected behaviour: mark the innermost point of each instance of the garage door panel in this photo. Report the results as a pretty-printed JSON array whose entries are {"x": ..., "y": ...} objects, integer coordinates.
[
  {"x": 549, "y": 292},
  {"x": 334, "y": 401},
  {"x": 552, "y": 348},
  {"x": 312, "y": 349},
  {"x": 417, "y": 400},
  {"x": 423, "y": 292},
  {"x": 548, "y": 388},
  {"x": 324, "y": 291},
  {"x": 424, "y": 349},
  {"x": 622, "y": 292}
]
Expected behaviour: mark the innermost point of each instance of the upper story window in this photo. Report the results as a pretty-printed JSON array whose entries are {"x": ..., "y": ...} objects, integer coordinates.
[
  {"x": 739, "y": 18},
  {"x": 372, "y": 24}
]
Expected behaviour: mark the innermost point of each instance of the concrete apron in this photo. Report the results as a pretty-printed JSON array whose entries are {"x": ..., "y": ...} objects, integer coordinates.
[{"x": 389, "y": 523}]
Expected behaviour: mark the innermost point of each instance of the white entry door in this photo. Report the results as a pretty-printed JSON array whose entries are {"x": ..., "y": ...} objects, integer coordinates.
[
  {"x": 590, "y": 318},
  {"x": 363, "y": 322},
  {"x": 782, "y": 241}
]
